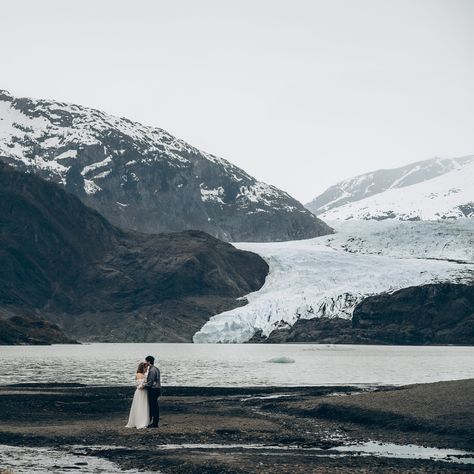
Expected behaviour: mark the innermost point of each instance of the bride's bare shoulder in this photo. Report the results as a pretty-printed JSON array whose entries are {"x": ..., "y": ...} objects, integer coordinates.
[{"x": 139, "y": 375}]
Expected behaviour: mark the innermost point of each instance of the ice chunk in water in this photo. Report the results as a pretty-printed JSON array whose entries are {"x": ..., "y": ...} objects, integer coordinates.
[{"x": 282, "y": 360}]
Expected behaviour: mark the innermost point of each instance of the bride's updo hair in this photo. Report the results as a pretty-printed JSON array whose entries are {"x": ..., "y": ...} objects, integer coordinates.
[{"x": 141, "y": 368}]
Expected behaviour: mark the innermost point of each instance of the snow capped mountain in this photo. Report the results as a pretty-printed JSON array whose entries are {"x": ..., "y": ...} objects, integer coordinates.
[
  {"x": 142, "y": 177},
  {"x": 427, "y": 190},
  {"x": 329, "y": 276}
]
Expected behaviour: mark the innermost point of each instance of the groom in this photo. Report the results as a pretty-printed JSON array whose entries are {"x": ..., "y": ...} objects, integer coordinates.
[{"x": 153, "y": 385}]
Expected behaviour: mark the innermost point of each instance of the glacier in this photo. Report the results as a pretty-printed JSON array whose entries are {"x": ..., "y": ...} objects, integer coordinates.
[
  {"x": 327, "y": 276},
  {"x": 450, "y": 239}
]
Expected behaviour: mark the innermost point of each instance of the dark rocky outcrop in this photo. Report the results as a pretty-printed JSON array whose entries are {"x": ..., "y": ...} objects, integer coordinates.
[
  {"x": 142, "y": 178},
  {"x": 320, "y": 330},
  {"x": 65, "y": 263},
  {"x": 441, "y": 313},
  {"x": 32, "y": 331}
]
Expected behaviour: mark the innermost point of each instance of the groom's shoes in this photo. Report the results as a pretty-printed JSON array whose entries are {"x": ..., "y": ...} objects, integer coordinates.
[{"x": 152, "y": 425}]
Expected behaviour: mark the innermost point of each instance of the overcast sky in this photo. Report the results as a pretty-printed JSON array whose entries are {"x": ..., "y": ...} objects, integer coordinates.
[{"x": 301, "y": 94}]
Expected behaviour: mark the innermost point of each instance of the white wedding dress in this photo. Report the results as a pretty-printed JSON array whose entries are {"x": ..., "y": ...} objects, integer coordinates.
[{"x": 139, "y": 413}]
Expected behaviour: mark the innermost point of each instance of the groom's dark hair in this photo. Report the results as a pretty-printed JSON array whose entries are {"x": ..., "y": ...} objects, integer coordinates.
[{"x": 150, "y": 359}]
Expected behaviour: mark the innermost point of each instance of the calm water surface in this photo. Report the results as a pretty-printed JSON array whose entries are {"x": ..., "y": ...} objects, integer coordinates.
[{"x": 237, "y": 364}]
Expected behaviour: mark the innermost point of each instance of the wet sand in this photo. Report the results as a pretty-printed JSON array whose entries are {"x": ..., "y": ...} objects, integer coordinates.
[{"x": 291, "y": 430}]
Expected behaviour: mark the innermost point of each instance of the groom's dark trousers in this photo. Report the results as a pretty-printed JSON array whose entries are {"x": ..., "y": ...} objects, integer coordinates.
[{"x": 153, "y": 394}]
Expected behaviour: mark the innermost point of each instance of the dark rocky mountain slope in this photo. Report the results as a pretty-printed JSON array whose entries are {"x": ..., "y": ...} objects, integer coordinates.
[
  {"x": 62, "y": 262},
  {"x": 142, "y": 178}
]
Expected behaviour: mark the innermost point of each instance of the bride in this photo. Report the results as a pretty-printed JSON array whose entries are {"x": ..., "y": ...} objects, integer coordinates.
[{"x": 139, "y": 413}]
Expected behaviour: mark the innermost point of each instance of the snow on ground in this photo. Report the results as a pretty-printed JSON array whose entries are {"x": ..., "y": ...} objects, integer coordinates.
[
  {"x": 440, "y": 197},
  {"x": 323, "y": 278}
]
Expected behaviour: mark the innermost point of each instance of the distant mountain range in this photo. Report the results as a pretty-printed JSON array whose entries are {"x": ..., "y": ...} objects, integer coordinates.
[
  {"x": 142, "y": 178},
  {"x": 64, "y": 269},
  {"x": 425, "y": 190}
]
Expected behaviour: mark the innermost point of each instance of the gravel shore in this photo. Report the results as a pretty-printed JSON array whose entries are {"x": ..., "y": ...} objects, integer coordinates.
[{"x": 242, "y": 430}]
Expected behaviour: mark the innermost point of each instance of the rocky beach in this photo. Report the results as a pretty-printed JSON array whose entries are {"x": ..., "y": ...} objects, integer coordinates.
[{"x": 236, "y": 430}]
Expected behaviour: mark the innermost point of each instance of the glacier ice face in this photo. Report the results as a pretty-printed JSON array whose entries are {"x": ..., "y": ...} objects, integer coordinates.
[{"x": 328, "y": 276}]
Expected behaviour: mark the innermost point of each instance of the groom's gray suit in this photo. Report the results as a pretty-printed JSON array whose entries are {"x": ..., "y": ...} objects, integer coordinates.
[{"x": 153, "y": 385}]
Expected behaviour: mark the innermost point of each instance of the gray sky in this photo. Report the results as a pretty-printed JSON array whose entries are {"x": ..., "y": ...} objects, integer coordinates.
[{"x": 300, "y": 94}]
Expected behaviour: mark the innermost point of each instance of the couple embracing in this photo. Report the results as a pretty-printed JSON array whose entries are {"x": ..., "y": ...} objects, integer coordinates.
[{"x": 145, "y": 412}]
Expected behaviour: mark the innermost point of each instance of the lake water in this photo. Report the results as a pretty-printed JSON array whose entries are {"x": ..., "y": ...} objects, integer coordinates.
[{"x": 237, "y": 364}]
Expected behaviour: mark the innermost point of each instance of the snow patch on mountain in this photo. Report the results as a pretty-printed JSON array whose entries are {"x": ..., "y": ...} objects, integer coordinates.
[
  {"x": 94, "y": 166},
  {"x": 214, "y": 195},
  {"x": 67, "y": 154},
  {"x": 328, "y": 276},
  {"x": 90, "y": 187}
]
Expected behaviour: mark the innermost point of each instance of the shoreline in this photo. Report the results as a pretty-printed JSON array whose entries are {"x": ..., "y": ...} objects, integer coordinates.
[
  {"x": 233, "y": 429},
  {"x": 250, "y": 342}
]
